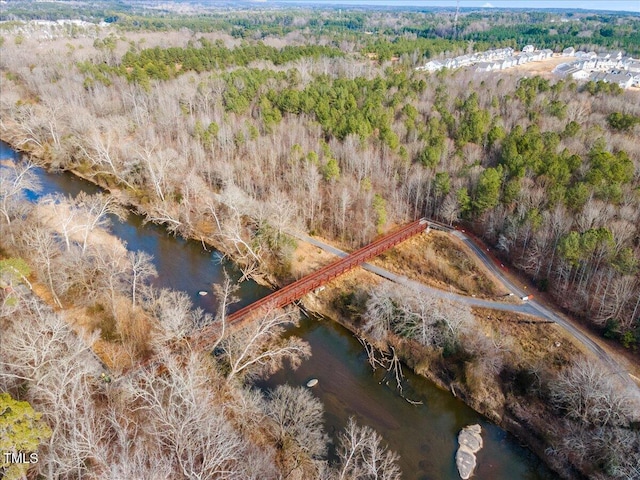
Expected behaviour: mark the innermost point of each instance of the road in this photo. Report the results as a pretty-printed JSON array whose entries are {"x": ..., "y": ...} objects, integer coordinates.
[
  {"x": 539, "y": 310},
  {"x": 435, "y": 292},
  {"x": 530, "y": 307}
]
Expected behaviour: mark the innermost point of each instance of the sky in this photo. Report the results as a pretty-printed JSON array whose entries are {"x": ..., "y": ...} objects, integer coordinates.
[{"x": 626, "y": 5}]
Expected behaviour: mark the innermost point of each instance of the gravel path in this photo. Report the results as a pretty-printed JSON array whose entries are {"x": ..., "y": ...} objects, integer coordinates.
[{"x": 530, "y": 307}]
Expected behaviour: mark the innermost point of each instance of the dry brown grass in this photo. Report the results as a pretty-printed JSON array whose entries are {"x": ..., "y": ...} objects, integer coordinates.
[
  {"x": 530, "y": 340},
  {"x": 44, "y": 293},
  {"x": 124, "y": 337},
  {"x": 543, "y": 68},
  {"x": 115, "y": 356},
  {"x": 436, "y": 259},
  {"x": 308, "y": 258},
  {"x": 134, "y": 328},
  {"x": 439, "y": 260},
  {"x": 50, "y": 215}
]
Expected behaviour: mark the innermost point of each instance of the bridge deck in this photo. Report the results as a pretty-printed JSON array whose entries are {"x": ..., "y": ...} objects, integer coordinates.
[{"x": 296, "y": 290}]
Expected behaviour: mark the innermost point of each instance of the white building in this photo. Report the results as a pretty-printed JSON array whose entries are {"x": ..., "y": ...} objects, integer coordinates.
[
  {"x": 536, "y": 56},
  {"x": 464, "y": 60},
  {"x": 431, "y": 66},
  {"x": 610, "y": 67},
  {"x": 564, "y": 69},
  {"x": 624, "y": 80},
  {"x": 528, "y": 49},
  {"x": 507, "y": 63},
  {"x": 605, "y": 62},
  {"x": 484, "y": 67},
  {"x": 621, "y": 79},
  {"x": 525, "y": 58},
  {"x": 632, "y": 65},
  {"x": 588, "y": 64},
  {"x": 547, "y": 53},
  {"x": 451, "y": 63},
  {"x": 568, "y": 52},
  {"x": 578, "y": 74}
]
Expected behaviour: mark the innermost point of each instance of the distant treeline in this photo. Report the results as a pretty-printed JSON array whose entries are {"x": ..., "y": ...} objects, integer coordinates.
[
  {"x": 427, "y": 33},
  {"x": 624, "y": 36}
]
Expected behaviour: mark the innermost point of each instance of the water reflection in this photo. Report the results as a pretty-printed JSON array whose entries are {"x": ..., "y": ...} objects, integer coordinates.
[{"x": 424, "y": 435}]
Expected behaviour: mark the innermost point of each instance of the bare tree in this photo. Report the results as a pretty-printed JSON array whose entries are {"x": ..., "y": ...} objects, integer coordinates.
[
  {"x": 450, "y": 209},
  {"x": 259, "y": 347},
  {"x": 113, "y": 267},
  {"x": 613, "y": 450},
  {"x": 60, "y": 214},
  {"x": 147, "y": 425},
  {"x": 381, "y": 311},
  {"x": 174, "y": 313},
  {"x": 362, "y": 455},
  {"x": 15, "y": 179},
  {"x": 237, "y": 206},
  {"x": 225, "y": 293},
  {"x": 95, "y": 211},
  {"x": 58, "y": 367},
  {"x": 586, "y": 391},
  {"x": 32, "y": 128},
  {"x": 159, "y": 163},
  {"x": 407, "y": 312},
  {"x": 227, "y": 212},
  {"x": 183, "y": 424},
  {"x": 42, "y": 243},
  {"x": 141, "y": 269},
  {"x": 298, "y": 427},
  {"x": 104, "y": 159}
]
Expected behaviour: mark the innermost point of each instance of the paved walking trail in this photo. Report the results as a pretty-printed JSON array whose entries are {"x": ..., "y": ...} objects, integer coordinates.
[{"x": 529, "y": 307}]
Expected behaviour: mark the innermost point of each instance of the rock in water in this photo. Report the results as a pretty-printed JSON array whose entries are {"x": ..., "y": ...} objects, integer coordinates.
[
  {"x": 470, "y": 442},
  {"x": 466, "y": 462},
  {"x": 470, "y": 437}
]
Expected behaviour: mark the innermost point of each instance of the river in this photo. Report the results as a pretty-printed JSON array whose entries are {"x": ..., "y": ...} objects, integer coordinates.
[{"x": 424, "y": 435}]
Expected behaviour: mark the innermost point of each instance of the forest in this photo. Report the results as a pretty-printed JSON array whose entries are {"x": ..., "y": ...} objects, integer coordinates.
[
  {"x": 546, "y": 170},
  {"x": 235, "y": 129}
]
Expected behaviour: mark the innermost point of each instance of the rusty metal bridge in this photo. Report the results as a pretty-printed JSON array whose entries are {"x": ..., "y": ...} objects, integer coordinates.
[{"x": 296, "y": 290}]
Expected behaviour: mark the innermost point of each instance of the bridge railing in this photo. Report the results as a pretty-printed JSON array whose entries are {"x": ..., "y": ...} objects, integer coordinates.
[{"x": 298, "y": 289}]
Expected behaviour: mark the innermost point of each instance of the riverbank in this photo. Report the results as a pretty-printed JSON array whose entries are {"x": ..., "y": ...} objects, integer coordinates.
[
  {"x": 487, "y": 397},
  {"x": 134, "y": 201},
  {"x": 424, "y": 432},
  {"x": 511, "y": 401}
]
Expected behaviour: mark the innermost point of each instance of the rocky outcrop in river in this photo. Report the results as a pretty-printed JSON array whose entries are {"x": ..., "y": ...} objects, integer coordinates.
[{"x": 470, "y": 443}]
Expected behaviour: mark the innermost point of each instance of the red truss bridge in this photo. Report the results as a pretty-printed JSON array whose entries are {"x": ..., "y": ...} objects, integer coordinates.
[{"x": 296, "y": 290}]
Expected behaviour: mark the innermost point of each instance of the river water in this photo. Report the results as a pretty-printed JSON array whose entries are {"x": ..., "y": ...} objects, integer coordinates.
[{"x": 424, "y": 435}]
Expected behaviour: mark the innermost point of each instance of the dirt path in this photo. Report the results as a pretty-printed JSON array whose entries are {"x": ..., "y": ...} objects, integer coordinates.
[
  {"x": 530, "y": 307},
  {"x": 435, "y": 292}
]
